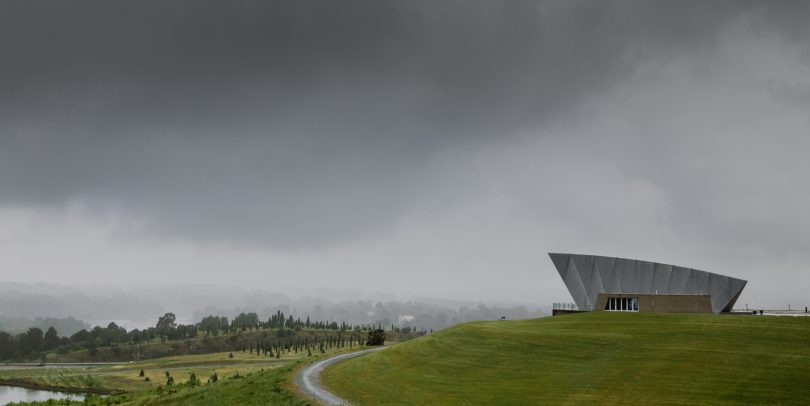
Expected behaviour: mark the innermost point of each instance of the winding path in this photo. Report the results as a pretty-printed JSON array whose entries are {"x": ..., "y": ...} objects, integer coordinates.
[{"x": 310, "y": 383}]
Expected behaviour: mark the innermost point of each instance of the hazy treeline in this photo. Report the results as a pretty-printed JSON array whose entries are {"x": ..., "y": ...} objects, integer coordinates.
[
  {"x": 136, "y": 306},
  {"x": 250, "y": 321},
  {"x": 419, "y": 315},
  {"x": 35, "y": 343}
]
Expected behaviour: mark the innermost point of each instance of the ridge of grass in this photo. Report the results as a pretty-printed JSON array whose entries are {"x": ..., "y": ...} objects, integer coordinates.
[{"x": 597, "y": 357}]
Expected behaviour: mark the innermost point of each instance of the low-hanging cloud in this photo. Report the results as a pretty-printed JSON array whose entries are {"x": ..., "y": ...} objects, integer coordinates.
[
  {"x": 464, "y": 129},
  {"x": 295, "y": 124}
]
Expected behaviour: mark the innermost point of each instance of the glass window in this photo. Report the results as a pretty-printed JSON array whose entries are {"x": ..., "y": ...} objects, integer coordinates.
[{"x": 622, "y": 304}]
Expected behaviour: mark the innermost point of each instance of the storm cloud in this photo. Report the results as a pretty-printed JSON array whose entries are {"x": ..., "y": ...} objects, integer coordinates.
[{"x": 419, "y": 139}]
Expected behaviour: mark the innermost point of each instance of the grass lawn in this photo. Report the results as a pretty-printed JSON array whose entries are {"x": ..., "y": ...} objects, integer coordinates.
[{"x": 599, "y": 357}]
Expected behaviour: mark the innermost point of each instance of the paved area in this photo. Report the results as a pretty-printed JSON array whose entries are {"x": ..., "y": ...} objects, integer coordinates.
[{"x": 309, "y": 382}]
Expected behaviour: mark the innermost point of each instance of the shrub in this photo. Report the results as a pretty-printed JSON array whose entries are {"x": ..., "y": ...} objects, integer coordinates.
[{"x": 376, "y": 337}]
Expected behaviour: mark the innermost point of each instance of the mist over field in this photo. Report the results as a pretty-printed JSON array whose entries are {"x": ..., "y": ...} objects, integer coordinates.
[
  {"x": 191, "y": 156},
  {"x": 73, "y": 308}
]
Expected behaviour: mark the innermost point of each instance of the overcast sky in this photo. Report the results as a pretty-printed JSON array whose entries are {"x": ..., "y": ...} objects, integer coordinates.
[{"x": 418, "y": 148}]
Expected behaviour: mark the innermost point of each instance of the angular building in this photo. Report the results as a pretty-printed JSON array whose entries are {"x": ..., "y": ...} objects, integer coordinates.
[{"x": 619, "y": 284}]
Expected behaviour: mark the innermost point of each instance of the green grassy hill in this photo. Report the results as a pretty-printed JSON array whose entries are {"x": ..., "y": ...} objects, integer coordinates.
[{"x": 641, "y": 358}]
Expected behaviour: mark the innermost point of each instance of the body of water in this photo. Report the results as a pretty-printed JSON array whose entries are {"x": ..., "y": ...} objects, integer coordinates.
[{"x": 10, "y": 394}]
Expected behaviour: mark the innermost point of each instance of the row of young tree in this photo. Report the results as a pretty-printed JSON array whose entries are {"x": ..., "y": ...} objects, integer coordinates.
[
  {"x": 34, "y": 343},
  {"x": 215, "y": 325}
]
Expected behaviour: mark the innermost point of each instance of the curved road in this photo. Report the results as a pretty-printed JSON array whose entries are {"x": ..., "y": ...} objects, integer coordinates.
[{"x": 310, "y": 384}]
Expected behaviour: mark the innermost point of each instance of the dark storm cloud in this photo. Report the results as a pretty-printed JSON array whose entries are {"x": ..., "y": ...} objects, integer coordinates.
[{"x": 301, "y": 123}]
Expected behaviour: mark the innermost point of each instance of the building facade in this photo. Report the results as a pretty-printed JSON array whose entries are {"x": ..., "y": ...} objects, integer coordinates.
[{"x": 600, "y": 283}]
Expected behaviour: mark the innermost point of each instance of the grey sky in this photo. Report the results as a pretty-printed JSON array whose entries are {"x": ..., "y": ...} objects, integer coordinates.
[{"x": 420, "y": 148}]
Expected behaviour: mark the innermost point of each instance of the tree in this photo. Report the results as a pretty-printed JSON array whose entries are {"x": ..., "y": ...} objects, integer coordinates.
[
  {"x": 32, "y": 341},
  {"x": 212, "y": 324},
  {"x": 6, "y": 346},
  {"x": 113, "y": 334},
  {"x": 376, "y": 337},
  {"x": 252, "y": 320},
  {"x": 135, "y": 335},
  {"x": 51, "y": 339},
  {"x": 165, "y": 324}
]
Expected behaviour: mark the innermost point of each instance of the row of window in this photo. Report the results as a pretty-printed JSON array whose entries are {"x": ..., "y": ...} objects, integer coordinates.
[{"x": 622, "y": 304}]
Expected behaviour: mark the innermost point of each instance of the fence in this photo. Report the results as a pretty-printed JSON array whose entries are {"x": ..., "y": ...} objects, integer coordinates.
[{"x": 564, "y": 306}]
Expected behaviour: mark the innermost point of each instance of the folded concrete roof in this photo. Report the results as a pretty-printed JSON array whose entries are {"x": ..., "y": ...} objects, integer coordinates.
[{"x": 586, "y": 276}]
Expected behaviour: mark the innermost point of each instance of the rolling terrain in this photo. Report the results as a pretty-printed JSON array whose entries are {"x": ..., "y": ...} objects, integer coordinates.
[
  {"x": 595, "y": 357},
  {"x": 204, "y": 378}
]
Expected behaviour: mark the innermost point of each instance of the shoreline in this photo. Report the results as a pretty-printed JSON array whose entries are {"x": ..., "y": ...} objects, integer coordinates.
[{"x": 27, "y": 384}]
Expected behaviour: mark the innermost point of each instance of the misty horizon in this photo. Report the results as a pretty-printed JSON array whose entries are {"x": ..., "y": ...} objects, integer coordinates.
[
  {"x": 392, "y": 151},
  {"x": 138, "y": 307}
]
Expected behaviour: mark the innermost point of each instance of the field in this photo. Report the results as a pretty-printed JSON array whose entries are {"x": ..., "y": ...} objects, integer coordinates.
[
  {"x": 125, "y": 378},
  {"x": 243, "y": 375},
  {"x": 600, "y": 357},
  {"x": 201, "y": 344},
  {"x": 244, "y": 379}
]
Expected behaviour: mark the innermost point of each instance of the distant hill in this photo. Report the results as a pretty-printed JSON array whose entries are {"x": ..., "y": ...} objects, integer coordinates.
[
  {"x": 598, "y": 357},
  {"x": 139, "y": 307}
]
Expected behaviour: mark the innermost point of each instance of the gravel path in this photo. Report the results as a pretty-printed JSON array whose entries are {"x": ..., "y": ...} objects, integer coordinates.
[{"x": 310, "y": 383}]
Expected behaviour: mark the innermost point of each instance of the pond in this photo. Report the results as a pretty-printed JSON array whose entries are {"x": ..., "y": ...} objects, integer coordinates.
[{"x": 10, "y": 394}]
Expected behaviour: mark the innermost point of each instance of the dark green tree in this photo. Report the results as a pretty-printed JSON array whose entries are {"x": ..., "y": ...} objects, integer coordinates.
[
  {"x": 166, "y": 324},
  {"x": 31, "y": 341},
  {"x": 376, "y": 337},
  {"x": 6, "y": 346},
  {"x": 51, "y": 339}
]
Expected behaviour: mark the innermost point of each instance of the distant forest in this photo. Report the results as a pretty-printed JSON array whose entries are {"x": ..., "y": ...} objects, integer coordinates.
[
  {"x": 35, "y": 343},
  {"x": 415, "y": 314}
]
